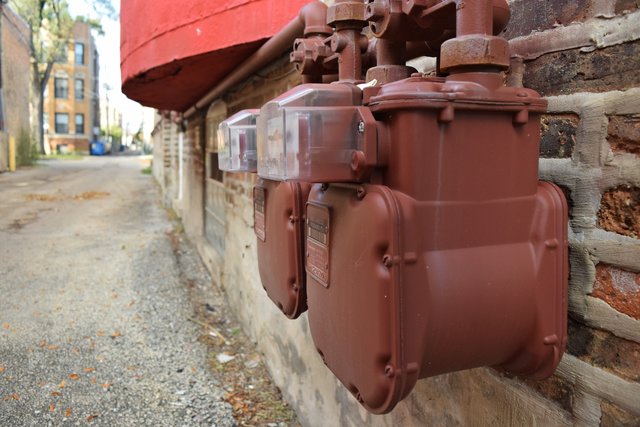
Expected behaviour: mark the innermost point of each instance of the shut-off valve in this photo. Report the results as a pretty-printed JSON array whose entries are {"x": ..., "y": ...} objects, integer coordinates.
[{"x": 404, "y": 211}]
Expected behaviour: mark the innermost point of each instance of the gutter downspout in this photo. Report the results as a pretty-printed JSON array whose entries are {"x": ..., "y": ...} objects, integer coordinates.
[{"x": 306, "y": 21}]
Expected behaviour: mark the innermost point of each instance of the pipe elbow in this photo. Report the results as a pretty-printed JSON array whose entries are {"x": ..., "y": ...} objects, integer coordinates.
[
  {"x": 314, "y": 18},
  {"x": 501, "y": 15}
]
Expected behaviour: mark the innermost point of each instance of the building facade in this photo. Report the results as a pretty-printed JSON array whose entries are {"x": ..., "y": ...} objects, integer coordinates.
[
  {"x": 71, "y": 101},
  {"x": 15, "y": 66},
  {"x": 584, "y": 59}
]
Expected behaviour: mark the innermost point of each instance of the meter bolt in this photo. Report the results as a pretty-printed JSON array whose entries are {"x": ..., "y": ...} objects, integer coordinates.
[
  {"x": 361, "y": 127},
  {"x": 389, "y": 371},
  {"x": 387, "y": 260}
]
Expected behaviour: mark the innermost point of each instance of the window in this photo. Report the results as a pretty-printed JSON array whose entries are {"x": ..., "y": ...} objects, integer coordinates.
[
  {"x": 62, "y": 87},
  {"x": 79, "y": 89},
  {"x": 79, "y": 53},
  {"x": 62, "y": 123},
  {"x": 79, "y": 124},
  {"x": 214, "y": 170}
]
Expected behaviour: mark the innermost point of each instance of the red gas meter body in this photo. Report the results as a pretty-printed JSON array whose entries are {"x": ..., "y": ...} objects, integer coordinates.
[
  {"x": 428, "y": 243},
  {"x": 457, "y": 259}
]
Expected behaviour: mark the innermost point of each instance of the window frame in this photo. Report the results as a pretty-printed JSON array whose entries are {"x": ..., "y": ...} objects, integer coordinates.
[
  {"x": 76, "y": 53},
  {"x": 75, "y": 121},
  {"x": 57, "y": 123},
  {"x": 75, "y": 88},
  {"x": 62, "y": 91}
]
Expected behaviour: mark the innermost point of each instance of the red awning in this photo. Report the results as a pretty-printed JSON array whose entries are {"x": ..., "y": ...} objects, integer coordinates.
[{"x": 173, "y": 52}]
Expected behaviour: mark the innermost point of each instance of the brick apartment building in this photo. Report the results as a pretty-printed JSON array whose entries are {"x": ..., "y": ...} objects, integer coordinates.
[
  {"x": 15, "y": 66},
  {"x": 71, "y": 102},
  {"x": 583, "y": 57}
]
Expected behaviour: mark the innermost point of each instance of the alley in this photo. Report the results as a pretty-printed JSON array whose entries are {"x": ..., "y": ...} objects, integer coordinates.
[{"x": 97, "y": 303}]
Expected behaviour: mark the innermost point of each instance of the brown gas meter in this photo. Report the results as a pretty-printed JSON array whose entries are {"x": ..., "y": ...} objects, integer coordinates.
[{"x": 427, "y": 242}]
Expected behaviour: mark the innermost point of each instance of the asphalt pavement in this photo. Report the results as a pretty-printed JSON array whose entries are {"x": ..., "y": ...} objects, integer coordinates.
[{"x": 94, "y": 311}]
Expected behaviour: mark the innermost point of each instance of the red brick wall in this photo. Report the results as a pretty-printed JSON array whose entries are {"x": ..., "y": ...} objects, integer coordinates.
[
  {"x": 584, "y": 56},
  {"x": 79, "y": 145}
]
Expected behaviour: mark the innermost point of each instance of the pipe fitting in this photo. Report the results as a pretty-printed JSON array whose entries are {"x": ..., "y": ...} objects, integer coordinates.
[
  {"x": 350, "y": 13},
  {"x": 313, "y": 16},
  {"x": 416, "y": 7},
  {"x": 474, "y": 50}
]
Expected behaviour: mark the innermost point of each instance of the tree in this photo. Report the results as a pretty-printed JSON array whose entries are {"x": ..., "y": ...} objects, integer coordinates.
[{"x": 51, "y": 31}]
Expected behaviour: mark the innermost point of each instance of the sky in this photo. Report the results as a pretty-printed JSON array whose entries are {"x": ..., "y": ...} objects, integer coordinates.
[{"x": 109, "y": 52}]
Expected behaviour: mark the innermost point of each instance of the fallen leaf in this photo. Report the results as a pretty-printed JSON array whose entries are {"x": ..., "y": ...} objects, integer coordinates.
[
  {"x": 94, "y": 380},
  {"x": 42, "y": 344},
  {"x": 67, "y": 413},
  {"x": 91, "y": 195},
  {"x": 76, "y": 350},
  {"x": 92, "y": 417},
  {"x": 106, "y": 386},
  {"x": 74, "y": 377},
  {"x": 100, "y": 333},
  {"x": 1, "y": 369},
  {"x": 89, "y": 370},
  {"x": 6, "y": 325},
  {"x": 56, "y": 393},
  {"x": 43, "y": 197},
  {"x": 132, "y": 302},
  {"x": 224, "y": 358},
  {"x": 52, "y": 407},
  {"x": 13, "y": 396},
  {"x": 116, "y": 334},
  {"x": 53, "y": 347},
  {"x": 62, "y": 384}
]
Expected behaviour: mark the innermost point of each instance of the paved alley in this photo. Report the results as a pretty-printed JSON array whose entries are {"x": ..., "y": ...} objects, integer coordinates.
[{"x": 97, "y": 303}]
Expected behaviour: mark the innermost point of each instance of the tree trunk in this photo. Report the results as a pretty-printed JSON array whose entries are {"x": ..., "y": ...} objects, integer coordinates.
[
  {"x": 39, "y": 108},
  {"x": 40, "y": 84},
  {"x": 40, "y": 124}
]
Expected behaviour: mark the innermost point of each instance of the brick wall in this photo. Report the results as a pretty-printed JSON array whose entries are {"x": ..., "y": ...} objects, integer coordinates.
[
  {"x": 71, "y": 144},
  {"x": 16, "y": 72},
  {"x": 583, "y": 57}
]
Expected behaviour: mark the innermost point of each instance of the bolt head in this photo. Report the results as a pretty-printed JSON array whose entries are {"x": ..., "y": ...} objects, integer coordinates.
[
  {"x": 389, "y": 372},
  {"x": 346, "y": 11},
  {"x": 387, "y": 260}
]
